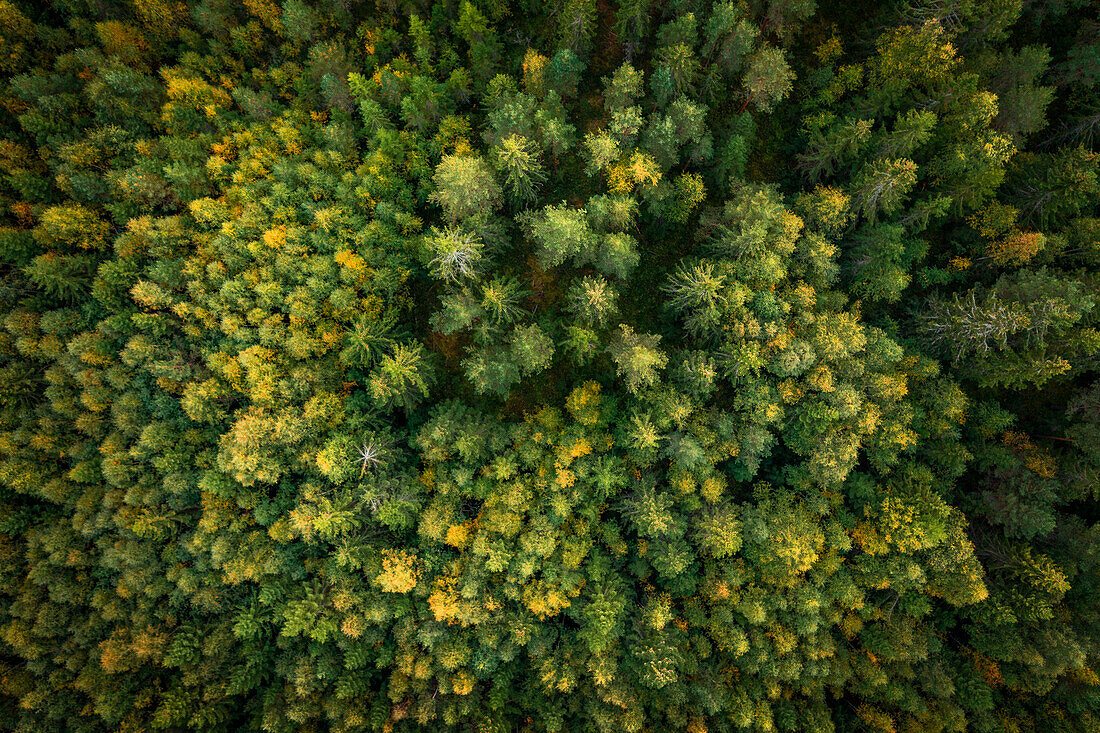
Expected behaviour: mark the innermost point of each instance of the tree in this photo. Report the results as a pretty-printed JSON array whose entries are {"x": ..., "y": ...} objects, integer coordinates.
[
  {"x": 601, "y": 150},
  {"x": 638, "y": 360},
  {"x": 531, "y": 349},
  {"x": 682, "y": 66},
  {"x": 401, "y": 378},
  {"x": 617, "y": 255},
  {"x": 465, "y": 186},
  {"x": 456, "y": 253},
  {"x": 623, "y": 88},
  {"x": 563, "y": 75},
  {"x": 767, "y": 79},
  {"x": 561, "y": 232},
  {"x": 593, "y": 300},
  {"x": 881, "y": 187},
  {"x": 1023, "y": 330},
  {"x": 1054, "y": 185},
  {"x": 697, "y": 291},
  {"x": 517, "y": 160},
  {"x": 577, "y": 25},
  {"x": 72, "y": 228},
  {"x": 1021, "y": 102},
  {"x": 500, "y": 298},
  {"x": 880, "y": 260}
]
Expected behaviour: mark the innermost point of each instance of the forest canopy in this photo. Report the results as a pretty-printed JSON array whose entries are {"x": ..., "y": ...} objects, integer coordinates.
[{"x": 580, "y": 365}]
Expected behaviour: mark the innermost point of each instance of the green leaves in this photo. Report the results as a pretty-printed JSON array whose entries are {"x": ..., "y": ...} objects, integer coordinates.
[
  {"x": 881, "y": 187},
  {"x": 1032, "y": 325},
  {"x": 498, "y": 369},
  {"x": 501, "y": 299},
  {"x": 698, "y": 287},
  {"x": 517, "y": 159},
  {"x": 638, "y": 360},
  {"x": 401, "y": 378},
  {"x": 366, "y": 341},
  {"x": 560, "y": 233},
  {"x": 593, "y": 300},
  {"x": 464, "y": 186},
  {"x": 768, "y": 78},
  {"x": 456, "y": 254}
]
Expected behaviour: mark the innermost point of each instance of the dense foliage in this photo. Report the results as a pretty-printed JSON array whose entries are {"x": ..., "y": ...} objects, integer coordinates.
[{"x": 572, "y": 366}]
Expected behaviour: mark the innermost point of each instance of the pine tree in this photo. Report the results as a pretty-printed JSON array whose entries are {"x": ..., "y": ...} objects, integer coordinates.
[
  {"x": 465, "y": 186},
  {"x": 517, "y": 160},
  {"x": 767, "y": 79},
  {"x": 637, "y": 359}
]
